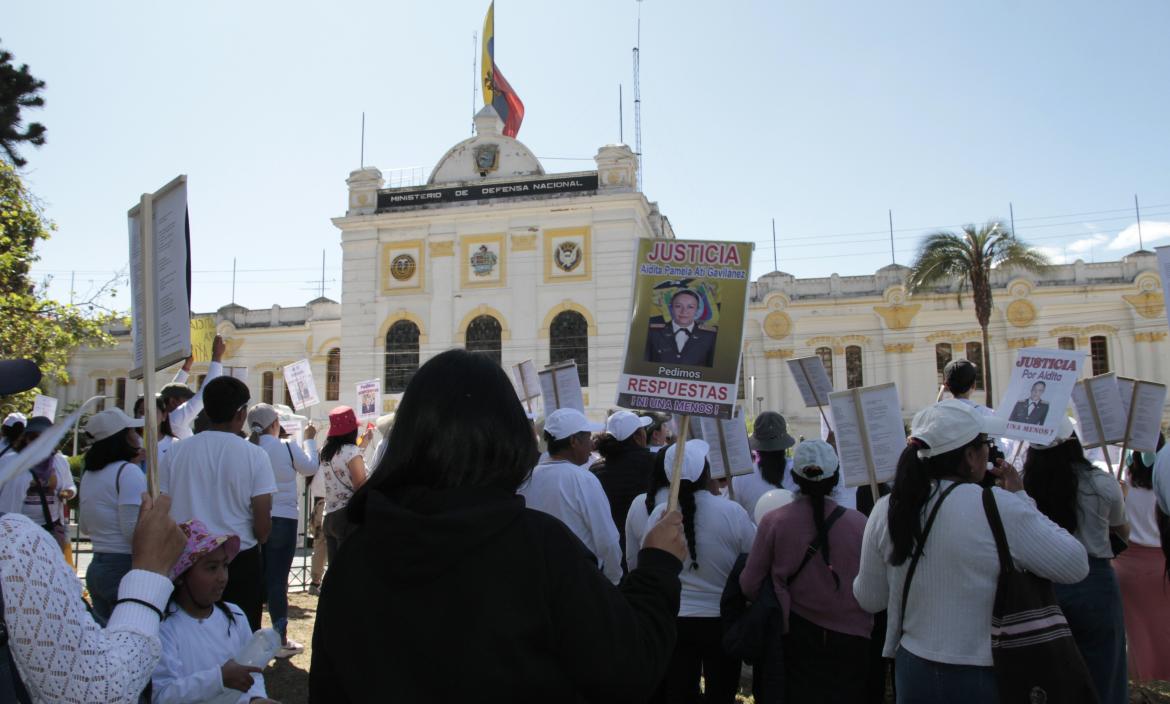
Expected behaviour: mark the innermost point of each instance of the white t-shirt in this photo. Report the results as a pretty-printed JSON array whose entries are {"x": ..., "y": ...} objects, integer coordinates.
[
  {"x": 100, "y": 501},
  {"x": 1143, "y": 524},
  {"x": 338, "y": 484},
  {"x": 194, "y": 650},
  {"x": 574, "y": 495},
  {"x": 722, "y": 531},
  {"x": 213, "y": 476},
  {"x": 636, "y": 519},
  {"x": 60, "y": 480},
  {"x": 1099, "y": 506},
  {"x": 287, "y": 459}
]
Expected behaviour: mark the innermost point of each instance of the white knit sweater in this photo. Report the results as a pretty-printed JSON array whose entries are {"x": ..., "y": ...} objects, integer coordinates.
[{"x": 949, "y": 610}]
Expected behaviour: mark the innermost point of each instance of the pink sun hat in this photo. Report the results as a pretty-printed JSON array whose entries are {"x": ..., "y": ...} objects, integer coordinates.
[{"x": 200, "y": 541}]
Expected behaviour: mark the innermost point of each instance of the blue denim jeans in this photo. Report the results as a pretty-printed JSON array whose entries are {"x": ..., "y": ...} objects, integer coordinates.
[
  {"x": 921, "y": 681},
  {"x": 102, "y": 578},
  {"x": 278, "y": 556},
  {"x": 1093, "y": 609}
]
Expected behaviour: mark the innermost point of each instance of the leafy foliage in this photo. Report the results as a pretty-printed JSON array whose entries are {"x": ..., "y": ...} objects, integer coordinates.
[
  {"x": 35, "y": 327},
  {"x": 18, "y": 90},
  {"x": 968, "y": 257}
]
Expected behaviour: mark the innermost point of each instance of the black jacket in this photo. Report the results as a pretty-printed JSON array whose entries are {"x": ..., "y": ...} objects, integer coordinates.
[
  {"x": 624, "y": 474},
  {"x": 466, "y": 595},
  {"x": 698, "y": 351}
]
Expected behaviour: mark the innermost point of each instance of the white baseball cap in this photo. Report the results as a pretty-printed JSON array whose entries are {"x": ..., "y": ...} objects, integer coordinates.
[
  {"x": 622, "y": 424},
  {"x": 110, "y": 422},
  {"x": 564, "y": 422},
  {"x": 951, "y": 424},
  {"x": 694, "y": 459},
  {"x": 13, "y": 418},
  {"x": 812, "y": 454}
]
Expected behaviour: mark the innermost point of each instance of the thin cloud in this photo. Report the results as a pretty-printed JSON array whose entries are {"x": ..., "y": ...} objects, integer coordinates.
[{"x": 1152, "y": 231}]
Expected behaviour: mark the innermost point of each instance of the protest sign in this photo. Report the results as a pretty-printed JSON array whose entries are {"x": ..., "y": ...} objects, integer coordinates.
[
  {"x": 561, "y": 387},
  {"x": 295, "y": 429},
  {"x": 1100, "y": 414},
  {"x": 1142, "y": 403},
  {"x": 202, "y": 337},
  {"x": 1164, "y": 272},
  {"x": 45, "y": 406},
  {"x": 160, "y": 262},
  {"x": 870, "y": 434},
  {"x": 686, "y": 327},
  {"x": 729, "y": 454},
  {"x": 298, "y": 379},
  {"x": 527, "y": 381},
  {"x": 368, "y": 395},
  {"x": 1038, "y": 393},
  {"x": 812, "y": 380}
]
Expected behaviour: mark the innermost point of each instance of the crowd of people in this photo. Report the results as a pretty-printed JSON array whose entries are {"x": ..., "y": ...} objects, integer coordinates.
[{"x": 479, "y": 553}]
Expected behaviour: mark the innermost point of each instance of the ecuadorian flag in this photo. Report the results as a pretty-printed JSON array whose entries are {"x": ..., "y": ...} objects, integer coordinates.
[{"x": 496, "y": 91}]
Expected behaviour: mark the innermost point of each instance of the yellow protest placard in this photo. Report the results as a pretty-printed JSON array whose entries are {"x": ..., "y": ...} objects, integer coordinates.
[{"x": 202, "y": 337}]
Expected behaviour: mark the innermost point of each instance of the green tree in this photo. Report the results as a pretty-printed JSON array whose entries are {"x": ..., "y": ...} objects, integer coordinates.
[
  {"x": 969, "y": 256},
  {"x": 33, "y": 326},
  {"x": 18, "y": 90}
]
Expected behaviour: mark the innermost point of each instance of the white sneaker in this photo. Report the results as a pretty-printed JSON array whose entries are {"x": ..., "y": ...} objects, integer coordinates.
[{"x": 290, "y": 649}]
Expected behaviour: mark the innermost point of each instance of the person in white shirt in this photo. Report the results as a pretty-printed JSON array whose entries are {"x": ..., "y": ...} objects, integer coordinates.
[
  {"x": 640, "y": 509},
  {"x": 287, "y": 460},
  {"x": 717, "y": 532},
  {"x": 344, "y": 468},
  {"x": 226, "y": 482},
  {"x": 201, "y": 633},
  {"x": 111, "y": 492},
  {"x": 48, "y": 484},
  {"x": 561, "y": 487},
  {"x": 942, "y": 644},
  {"x": 11, "y": 430},
  {"x": 180, "y": 403}
]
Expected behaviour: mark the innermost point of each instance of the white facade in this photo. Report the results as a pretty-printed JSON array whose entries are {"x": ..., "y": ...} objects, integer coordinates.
[{"x": 536, "y": 245}]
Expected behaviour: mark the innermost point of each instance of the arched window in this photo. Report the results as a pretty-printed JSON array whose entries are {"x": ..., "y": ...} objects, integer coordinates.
[
  {"x": 853, "y": 375},
  {"x": 99, "y": 389},
  {"x": 975, "y": 355},
  {"x": 1066, "y": 343},
  {"x": 266, "y": 387},
  {"x": 942, "y": 357},
  {"x": 1099, "y": 352},
  {"x": 826, "y": 355},
  {"x": 568, "y": 340},
  {"x": 287, "y": 395},
  {"x": 483, "y": 336},
  {"x": 120, "y": 392},
  {"x": 401, "y": 355},
  {"x": 333, "y": 375}
]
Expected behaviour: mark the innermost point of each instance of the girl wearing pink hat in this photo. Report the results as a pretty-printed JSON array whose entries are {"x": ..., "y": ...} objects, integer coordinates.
[
  {"x": 200, "y": 632},
  {"x": 344, "y": 470}
]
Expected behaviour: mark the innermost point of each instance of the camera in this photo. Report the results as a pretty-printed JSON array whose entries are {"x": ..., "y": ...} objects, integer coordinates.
[{"x": 994, "y": 454}]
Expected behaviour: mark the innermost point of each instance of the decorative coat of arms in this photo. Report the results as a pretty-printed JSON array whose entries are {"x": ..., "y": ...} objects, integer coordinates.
[
  {"x": 487, "y": 157},
  {"x": 402, "y": 267},
  {"x": 483, "y": 261},
  {"x": 567, "y": 255}
]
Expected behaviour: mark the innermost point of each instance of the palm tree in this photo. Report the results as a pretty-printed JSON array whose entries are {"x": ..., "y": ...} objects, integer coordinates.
[{"x": 969, "y": 256}]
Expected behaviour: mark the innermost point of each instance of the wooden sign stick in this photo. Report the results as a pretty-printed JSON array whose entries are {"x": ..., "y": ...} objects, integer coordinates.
[
  {"x": 1128, "y": 430},
  {"x": 524, "y": 386},
  {"x": 684, "y": 428},
  {"x": 941, "y": 388},
  {"x": 726, "y": 459},
  {"x": 556, "y": 390},
  {"x": 869, "y": 468}
]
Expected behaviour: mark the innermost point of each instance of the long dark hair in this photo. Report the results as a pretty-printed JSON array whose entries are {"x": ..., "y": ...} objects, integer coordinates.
[
  {"x": 686, "y": 503},
  {"x": 816, "y": 491},
  {"x": 912, "y": 489},
  {"x": 658, "y": 479},
  {"x": 609, "y": 446},
  {"x": 459, "y": 425},
  {"x": 334, "y": 443},
  {"x": 1141, "y": 474},
  {"x": 772, "y": 466},
  {"x": 1052, "y": 477},
  {"x": 107, "y": 451}
]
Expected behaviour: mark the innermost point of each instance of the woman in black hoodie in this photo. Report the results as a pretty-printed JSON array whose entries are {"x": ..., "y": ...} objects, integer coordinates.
[{"x": 451, "y": 590}]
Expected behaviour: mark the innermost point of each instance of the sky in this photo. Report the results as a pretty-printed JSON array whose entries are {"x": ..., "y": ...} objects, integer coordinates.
[{"x": 823, "y": 116}]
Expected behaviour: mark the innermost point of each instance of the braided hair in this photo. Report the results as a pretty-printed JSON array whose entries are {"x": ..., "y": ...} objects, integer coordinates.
[
  {"x": 658, "y": 479},
  {"x": 686, "y": 503},
  {"x": 816, "y": 491}
]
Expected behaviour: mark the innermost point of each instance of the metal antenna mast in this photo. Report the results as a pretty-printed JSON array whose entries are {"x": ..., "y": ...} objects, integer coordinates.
[
  {"x": 638, "y": 101},
  {"x": 1137, "y": 209}
]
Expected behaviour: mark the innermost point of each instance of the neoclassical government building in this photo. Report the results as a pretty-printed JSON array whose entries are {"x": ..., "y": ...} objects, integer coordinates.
[{"x": 496, "y": 255}]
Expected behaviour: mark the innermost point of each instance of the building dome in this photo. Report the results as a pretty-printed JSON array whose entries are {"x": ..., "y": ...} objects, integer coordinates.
[{"x": 488, "y": 155}]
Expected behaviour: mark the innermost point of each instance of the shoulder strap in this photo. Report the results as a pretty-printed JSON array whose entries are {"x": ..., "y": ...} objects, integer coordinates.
[
  {"x": 118, "y": 480},
  {"x": 5, "y": 451},
  {"x": 918, "y": 553},
  {"x": 44, "y": 500},
  {"x": 815, "y": 546},
  {"x": 291, "y": 461},
  {"x": 993, "y": 519}
]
